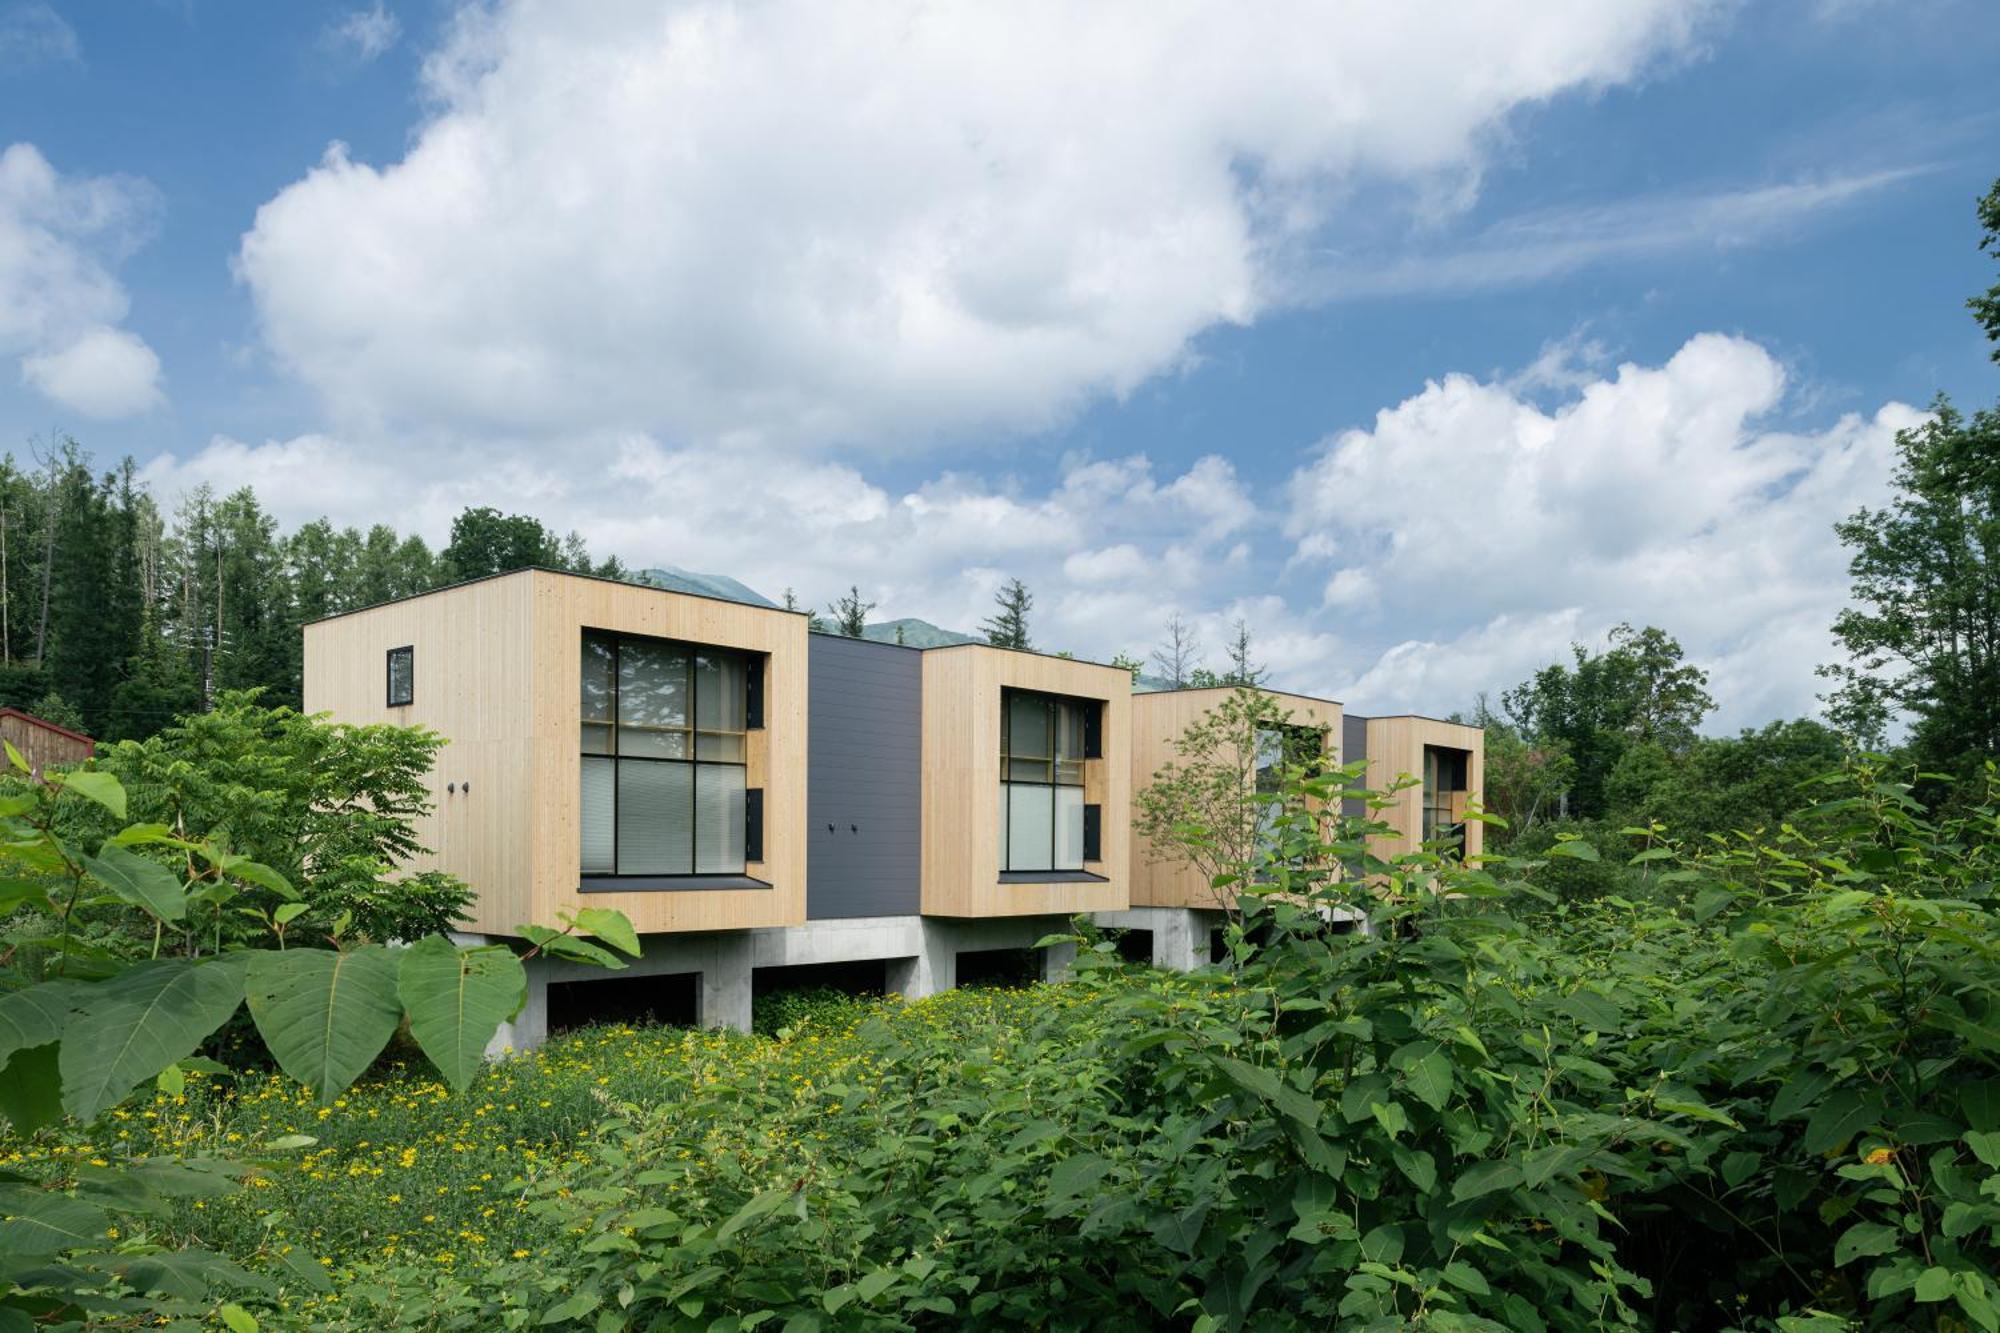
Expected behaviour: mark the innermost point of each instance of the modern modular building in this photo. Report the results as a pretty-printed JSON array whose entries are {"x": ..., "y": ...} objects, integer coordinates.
[{"x": 760, "y": 800}]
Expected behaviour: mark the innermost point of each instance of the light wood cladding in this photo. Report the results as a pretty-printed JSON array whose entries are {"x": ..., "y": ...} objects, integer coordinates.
[
  {"x": 1162, "y": 877},
  {"x": 497, "y": 672},
  {"x": 1395, "y": 751},
  {"x": 961, "y": 782}
]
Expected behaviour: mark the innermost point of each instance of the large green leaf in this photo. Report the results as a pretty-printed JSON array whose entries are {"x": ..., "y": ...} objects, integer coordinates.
[
  {"x": 127, "y": 1029},
  {"x": 611, "y": 926},
  {"x": 457, "y": 999},
  {"x": 31, "y": 1089},
  {"x": 142, "y": 883},
  {"x": 1839, "y": 1118},
  {"x": 1427, "y": 1070},
  {"x": 44, "y": 1223},
  {"x": 102, "y": 788},
  {"x": 325, "y": 1016},
  {"x": 34, "y": 1016}
]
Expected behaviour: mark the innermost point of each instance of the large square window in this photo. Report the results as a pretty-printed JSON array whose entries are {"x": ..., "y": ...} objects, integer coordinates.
[
  {"x": 664, "y": 780},
  {"x": 1042, "y": 740}
]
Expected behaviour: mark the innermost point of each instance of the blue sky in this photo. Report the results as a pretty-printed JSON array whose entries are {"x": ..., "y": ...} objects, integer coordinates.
[{"x": 1396, "y": 341}]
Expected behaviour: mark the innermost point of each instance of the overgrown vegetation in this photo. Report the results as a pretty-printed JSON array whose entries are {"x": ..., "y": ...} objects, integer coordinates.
[{"x": 1765, "y": 1096}]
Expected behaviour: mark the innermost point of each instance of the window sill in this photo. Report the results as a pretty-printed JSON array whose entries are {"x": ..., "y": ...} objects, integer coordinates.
[
  {"x": 666, "y": 883},
  {"x": 1051, "y": 877}
]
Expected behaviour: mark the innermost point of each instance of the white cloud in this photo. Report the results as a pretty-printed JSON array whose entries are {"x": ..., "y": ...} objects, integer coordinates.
[
  {"x": 875, "y": 221},
  {"x": 365, "y": 34},
  {"x": 1665, "y": 495},
  {"x": 32, "y": 34},
  {"x": 60, "y": 300},
  {"x": 104, "y": 373},
  {"x": 1457, "y": 544},
  {"x": 1537, "y": 246}
]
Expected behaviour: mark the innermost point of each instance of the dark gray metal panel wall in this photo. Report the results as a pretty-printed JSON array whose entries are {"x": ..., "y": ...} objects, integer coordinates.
[
  {"x": 864, "y": 762},
  {"x": 1353, "y": 749}
]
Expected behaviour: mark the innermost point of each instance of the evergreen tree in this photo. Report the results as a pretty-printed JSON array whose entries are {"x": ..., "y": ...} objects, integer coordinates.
[
  {"x": 850, "y": 613},
  {"x": 1008, "y": 627},
  {"x": 1242, "y": 670}
]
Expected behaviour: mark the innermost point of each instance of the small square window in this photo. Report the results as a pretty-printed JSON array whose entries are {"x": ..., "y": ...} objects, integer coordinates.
[{"x": 402, "y": 676}]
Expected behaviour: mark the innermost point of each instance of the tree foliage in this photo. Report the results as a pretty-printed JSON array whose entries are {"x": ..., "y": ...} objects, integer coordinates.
[
  {"x": 330, "y": 806},
  {"x": 82, "y": 1029},
  {"x": 1986, "y": 306},
  {"x": 1637, "y": 690},
  {"x": 1008, "y": 626},
  {"x": 132, "y": 616},
  {"x": 1923, "y": 630},
  {"x": 850, "y": 613}
]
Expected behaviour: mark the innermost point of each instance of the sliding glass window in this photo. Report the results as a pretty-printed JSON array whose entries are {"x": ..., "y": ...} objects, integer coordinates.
[
  {"x": 1041, "y": 781},
  {"x": 663, "y": 758}
]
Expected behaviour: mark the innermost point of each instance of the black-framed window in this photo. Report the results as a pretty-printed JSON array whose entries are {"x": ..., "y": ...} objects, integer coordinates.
[
  {"x": 402, "y": 676},
  {"x": 1282, "y": 746},
  {"x": 1042, "y": 749},
  {"x": 1445, "y": 778},
  {"x": 664, "y": 735}
]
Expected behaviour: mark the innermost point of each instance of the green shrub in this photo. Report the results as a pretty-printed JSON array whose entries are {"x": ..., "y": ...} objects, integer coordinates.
[{"x": 818, "y": 1006}]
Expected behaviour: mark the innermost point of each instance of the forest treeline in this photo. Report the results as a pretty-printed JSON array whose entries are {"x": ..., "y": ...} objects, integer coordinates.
[{"x": 117, "y": 616}]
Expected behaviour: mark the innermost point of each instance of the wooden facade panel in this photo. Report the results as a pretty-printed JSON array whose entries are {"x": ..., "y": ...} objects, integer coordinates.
[
  {"x": 471, "y": 675},
  {"x": 1396, "y": 751},
  {"x": 1161, "y": 877},
  {"x": 961, "y": 782},
  {"x": 498, "y": 671},
  {"x": 563, "y": 608}
]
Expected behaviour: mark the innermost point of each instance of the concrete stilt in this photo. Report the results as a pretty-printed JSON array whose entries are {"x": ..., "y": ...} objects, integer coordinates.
[
  {"x": 530, "y": 1028},
  {"x": 725, "y": 982},
  {"x": 1180, "y": 934}
]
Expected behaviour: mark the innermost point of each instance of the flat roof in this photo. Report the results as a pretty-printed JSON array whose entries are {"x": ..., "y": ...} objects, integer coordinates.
[
  {"x": 1030, "y": 652},
  {"x": 1216, "y": 689},
  {"x": 560, "y": 573}
]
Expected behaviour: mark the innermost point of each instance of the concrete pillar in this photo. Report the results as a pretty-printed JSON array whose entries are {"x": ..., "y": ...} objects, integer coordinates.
[
  {"x": 934, "y": 966},
  {"x": 724, "y": 989},
  {"x": 1180, "y": 939},
  {"x": 1057, "y": 960},
  {"x": 529, "y": 1028}
]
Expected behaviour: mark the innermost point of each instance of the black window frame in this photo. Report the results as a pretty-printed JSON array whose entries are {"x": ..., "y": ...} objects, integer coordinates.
[
  {"x": 1447, "y": 770},
  {"x": 615, "y": 878},
  {"x": 408, "y": 652},
  {"x": 1087, "y": 731}
]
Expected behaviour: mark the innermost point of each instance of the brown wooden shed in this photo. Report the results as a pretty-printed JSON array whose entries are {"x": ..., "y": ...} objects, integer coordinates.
[{"x": 41, "y": 742}]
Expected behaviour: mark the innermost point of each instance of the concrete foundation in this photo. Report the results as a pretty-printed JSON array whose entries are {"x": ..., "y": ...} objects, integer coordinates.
[
  {"x": 919, "y": 954},
  {"x": 1180, "y": 934}
]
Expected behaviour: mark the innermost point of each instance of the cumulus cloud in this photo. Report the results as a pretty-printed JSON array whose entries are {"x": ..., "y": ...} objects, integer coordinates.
[
  {"x": 1667, "y": 494},
  {"x": 1453, "y": 546},
  {"x": 808, "y": 221},
  {"x": 104, "y": 373},
  {"x": 61, "y": 238}
]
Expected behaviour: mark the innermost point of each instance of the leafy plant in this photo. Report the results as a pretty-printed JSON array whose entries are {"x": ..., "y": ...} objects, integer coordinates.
[{"x": 88, "y": 1029}]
